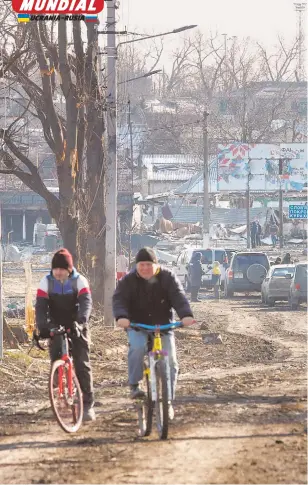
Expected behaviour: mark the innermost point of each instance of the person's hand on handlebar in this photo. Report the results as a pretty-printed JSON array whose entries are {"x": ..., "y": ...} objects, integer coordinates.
[
  {"x": 188, "y": 321},
  {"x": 123, "y": 323},
  {"x": 41, "y": 334}
]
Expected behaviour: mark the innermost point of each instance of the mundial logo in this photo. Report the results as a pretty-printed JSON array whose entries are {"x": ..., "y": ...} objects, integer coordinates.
[{"x": 58, "y": 7}]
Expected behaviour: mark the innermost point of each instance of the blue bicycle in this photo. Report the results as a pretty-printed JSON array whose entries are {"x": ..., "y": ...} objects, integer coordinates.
[{"x": 156, "y": 382}]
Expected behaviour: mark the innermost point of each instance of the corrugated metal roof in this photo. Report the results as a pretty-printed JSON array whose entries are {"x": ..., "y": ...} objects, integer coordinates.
[
  {"x": 186, "y": 160},
  {"x": 193, "y": 214},
  {"x": 169, "y": 175},
  {"x": 195, "y": 184},
  {"x": 190, "y": 214},
  {"x": 170, "y": 167}
]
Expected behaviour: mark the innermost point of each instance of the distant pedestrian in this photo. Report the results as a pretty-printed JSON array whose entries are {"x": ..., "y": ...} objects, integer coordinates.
[
  {"x": 216, "y": 277},
  {"x": 274, "y": 233},
  {"x": 196, "y": 273},
  {"x": 253, "y": 234},
  {"x": 258, "y": 234},
  {"x": 287, "y": 259}
]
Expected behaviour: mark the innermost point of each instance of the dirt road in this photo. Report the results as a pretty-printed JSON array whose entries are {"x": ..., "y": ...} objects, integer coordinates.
[{"x": 240, "y": 410}]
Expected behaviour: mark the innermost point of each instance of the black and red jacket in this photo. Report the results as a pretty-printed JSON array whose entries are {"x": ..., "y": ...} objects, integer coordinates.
[{"x": 63, "y": 303}]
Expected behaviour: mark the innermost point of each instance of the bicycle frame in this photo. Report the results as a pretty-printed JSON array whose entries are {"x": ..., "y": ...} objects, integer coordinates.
[
  {"x": 158, "y": 353},
  {"x": 67, "y": 387},
  {"x": 65, "y": 356}
]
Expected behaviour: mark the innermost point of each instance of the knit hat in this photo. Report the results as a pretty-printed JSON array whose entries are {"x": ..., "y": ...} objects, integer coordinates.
[
  {"x": 62, "y": 259},
  {"x": 146, "y": 254}
]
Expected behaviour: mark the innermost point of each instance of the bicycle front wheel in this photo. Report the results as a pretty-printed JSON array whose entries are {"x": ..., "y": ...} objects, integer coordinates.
[
  {"x": 161, "y": 404},
  {"x": 145, "y": 407},
  {"x": 65, "y": 396}
]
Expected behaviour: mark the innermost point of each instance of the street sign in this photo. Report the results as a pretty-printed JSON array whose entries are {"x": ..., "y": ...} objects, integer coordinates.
[{"x": 297, "y": 211}]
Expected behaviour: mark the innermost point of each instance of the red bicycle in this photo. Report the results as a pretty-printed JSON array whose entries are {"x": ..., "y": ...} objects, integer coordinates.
[{"x": 64, "y": 389}]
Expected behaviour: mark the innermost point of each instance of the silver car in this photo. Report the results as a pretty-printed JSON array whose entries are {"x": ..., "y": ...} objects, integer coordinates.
[
  {"x": 276, "y": 284},
  {"x": 298, "y": 287}
]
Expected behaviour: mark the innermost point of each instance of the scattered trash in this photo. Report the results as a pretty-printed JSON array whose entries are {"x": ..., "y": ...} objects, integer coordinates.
[{"x": 212, "y": 338}]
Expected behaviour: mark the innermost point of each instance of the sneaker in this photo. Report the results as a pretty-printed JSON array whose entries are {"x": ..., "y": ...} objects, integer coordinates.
[
  {"x": 171, "y": 412},
  {"x": 89, "y": 414},
  {"x": 136, "y": 392}
]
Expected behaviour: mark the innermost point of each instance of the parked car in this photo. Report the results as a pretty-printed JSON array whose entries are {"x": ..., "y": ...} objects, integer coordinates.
[
  {"x": 276, "y": 284},
  {"x": 209, "y": 255},
  {"x": 230, "y": 252},
  {"x": 246, "y": 272},
  {"x": 298, "y": 287}
]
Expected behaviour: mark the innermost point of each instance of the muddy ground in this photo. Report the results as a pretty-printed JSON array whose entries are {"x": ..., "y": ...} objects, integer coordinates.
[{"x": 240, "y": 408}]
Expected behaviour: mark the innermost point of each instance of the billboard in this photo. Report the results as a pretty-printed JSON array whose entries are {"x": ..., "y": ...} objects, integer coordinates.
[{"x": 261, "y": 162}]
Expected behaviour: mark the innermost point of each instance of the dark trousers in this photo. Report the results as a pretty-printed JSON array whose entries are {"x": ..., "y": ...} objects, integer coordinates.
[
  {"x": 81, "y": 358},
  {"x": 253, "y": 239},
  {"x": 194, "y": 293},
  {"x": 258, "y": 239}
]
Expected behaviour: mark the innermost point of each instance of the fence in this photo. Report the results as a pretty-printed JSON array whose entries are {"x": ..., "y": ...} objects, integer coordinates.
[{"x": 20, "y": 282}]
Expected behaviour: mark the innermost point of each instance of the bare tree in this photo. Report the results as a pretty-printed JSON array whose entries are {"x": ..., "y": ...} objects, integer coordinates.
[
  {"x": 38, "y": 59},
  {"x": 246, "y": 90},
  {"x": 280, "y": 64}
]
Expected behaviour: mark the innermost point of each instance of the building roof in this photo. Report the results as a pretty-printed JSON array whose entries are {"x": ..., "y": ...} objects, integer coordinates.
[
  {"x": 272, "y": 88},
  {"x": 170, "y": 167},
  {"x": 194, "y": 214},
  {"x": 194, "y": 186}
]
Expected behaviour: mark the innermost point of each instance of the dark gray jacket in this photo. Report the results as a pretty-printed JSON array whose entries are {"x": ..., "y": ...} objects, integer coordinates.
[
  {"x": 150, "y": 301},
  {"x": 195, "y": 272}
]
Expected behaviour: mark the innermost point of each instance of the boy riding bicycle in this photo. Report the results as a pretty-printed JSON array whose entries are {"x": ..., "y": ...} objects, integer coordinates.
[
  {"x": 147, "y": 295},
  {"x": 64, "y": 299}
]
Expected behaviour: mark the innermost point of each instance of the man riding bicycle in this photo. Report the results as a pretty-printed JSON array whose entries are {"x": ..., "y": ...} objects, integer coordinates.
[
  {"x": 64, "y": 299},
  {"x": 147, "y": 295}
]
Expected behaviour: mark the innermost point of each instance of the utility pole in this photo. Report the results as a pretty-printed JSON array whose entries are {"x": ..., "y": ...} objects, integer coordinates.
[
  {"x": 248, "y": 206},
  {"x": 1, "y": 289},
  {"x": 206, "y": 199},
  {"x": 280, "y": 171},
  {"x": 300, "y": 9},
  {"x": 111, "y": 169},
  {"x": 130, "y": 125}
]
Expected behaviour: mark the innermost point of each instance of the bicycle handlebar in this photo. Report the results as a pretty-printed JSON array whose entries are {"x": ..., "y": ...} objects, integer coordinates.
[
  {"x": 59, "y": 331},
  {"x": 152, "y": 328}
]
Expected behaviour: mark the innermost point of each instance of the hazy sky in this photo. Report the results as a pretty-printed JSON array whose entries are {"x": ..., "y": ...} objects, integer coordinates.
[
  {"x": 256, "y": 18},
  {"x": 259, "y": 19}
]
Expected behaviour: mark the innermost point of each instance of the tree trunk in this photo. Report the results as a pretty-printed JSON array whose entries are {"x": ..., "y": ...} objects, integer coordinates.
[
  {"x": 68, "y": 227},
  {"x": 95, "y": 156}
]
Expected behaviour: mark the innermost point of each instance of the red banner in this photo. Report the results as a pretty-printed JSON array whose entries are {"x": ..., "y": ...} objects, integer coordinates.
[{"x": 59, "y": 7}]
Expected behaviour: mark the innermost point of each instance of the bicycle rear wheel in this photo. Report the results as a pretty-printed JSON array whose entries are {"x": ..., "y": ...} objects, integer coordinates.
[
  {"x": 145, "y": 406},
  {"x": 67, "y": 408},
  {"x": 161, "y": 404}
]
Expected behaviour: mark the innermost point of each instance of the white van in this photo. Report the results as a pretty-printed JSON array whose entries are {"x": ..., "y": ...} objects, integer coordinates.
[{"x": 181, "y": 267}]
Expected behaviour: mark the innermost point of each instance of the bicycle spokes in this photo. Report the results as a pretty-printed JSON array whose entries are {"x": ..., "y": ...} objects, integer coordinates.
[
  {"x": 145, "y": 406},
  {"x": 65, "y": 396},
  {"x": 161, "y": 404}
]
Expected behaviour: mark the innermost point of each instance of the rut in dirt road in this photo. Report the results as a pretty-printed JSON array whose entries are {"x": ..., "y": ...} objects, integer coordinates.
[{"x": 240, "y": 409}]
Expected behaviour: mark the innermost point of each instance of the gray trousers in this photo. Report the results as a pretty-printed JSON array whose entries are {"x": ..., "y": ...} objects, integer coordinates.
[{"x": 138, "y": 349}]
